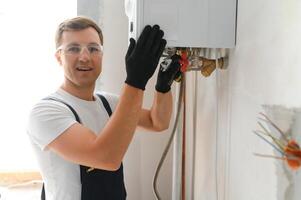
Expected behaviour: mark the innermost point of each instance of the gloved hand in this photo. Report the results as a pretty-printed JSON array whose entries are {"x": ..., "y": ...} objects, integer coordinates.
[
  {"x": 142, "y": 58},
  {"x": 169, "y": 71}
]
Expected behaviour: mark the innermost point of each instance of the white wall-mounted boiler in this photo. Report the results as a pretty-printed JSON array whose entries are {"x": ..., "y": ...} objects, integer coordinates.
[{"x": 189, "y": 23}]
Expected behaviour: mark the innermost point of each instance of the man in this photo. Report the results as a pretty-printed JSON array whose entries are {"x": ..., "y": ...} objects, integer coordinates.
[{"x": 78, "y": 146}]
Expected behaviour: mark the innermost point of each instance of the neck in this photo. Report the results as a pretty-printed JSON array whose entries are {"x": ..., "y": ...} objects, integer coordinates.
[{"x": 85, "y": 93}]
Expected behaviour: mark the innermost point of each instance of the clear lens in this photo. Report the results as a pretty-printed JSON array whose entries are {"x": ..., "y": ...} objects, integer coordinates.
[{"x": 76, "y": 50}]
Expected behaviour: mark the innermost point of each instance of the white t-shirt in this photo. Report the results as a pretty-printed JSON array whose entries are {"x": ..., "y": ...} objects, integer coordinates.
[{"x": 48, "y": 119}]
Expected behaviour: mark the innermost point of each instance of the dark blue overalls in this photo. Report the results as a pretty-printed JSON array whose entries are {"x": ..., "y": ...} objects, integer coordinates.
[{"x": 98, "y": 184}]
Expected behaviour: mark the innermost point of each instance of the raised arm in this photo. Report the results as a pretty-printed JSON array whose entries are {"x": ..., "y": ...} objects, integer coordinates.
[{"x": 158, "y": 117}]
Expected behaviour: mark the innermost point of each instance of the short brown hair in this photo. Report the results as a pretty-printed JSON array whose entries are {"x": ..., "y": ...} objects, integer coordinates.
[{"x": 76, "y": 24}]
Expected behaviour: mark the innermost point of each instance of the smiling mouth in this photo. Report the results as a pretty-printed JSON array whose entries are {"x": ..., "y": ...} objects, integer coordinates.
[{"x": 84, "y": 69}]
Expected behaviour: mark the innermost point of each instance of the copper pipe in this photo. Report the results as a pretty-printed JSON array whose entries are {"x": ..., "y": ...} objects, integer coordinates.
[{"x": 183, "y": 193}]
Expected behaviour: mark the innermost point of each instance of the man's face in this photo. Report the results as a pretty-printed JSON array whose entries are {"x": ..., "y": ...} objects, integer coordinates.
[{"x": 80, "y": 54}]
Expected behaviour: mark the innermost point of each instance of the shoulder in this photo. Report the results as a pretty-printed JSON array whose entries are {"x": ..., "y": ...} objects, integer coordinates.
[
  {"x": 49, "y": 107},
  {"x": 48, "y": 112},
  {"x": 48, "y": 119}
]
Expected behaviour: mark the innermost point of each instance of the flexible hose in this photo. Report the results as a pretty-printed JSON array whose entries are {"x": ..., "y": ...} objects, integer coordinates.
[{"x": 155, "y": 179}]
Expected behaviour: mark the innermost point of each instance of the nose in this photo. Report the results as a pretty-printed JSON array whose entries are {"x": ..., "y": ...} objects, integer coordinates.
[{"x": 84, "y": 54}]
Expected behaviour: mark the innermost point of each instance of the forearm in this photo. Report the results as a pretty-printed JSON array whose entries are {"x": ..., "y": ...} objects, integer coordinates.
[
  {"x": 115, "y": 138},
  {"x": 158, "y": 117},
  {"x": 161, "y": 110}
]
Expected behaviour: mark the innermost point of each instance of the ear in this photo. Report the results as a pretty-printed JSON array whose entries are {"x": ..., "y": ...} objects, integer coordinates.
[{"x": 58, "y": 57}]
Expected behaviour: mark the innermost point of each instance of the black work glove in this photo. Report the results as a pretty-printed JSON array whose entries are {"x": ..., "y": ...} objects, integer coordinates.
[
  {"x": 169, "y": 71},
  {"x": 142, "y": 58}
]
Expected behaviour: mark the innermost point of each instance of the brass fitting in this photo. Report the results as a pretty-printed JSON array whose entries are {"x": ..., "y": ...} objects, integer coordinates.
[{"x": 208, "y": 66}]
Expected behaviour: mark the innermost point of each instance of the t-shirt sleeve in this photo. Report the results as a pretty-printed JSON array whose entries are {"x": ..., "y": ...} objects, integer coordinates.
[{"x": 47, "y": 120}]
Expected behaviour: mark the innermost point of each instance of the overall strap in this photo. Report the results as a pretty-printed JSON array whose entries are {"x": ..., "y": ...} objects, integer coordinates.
[{"x": 106, "y": 104}]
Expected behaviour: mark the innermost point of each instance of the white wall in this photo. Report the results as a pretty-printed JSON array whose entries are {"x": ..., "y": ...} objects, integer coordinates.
[
  {"x": 27, "y": 75},
  {"x": 264, "y": 69}
]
